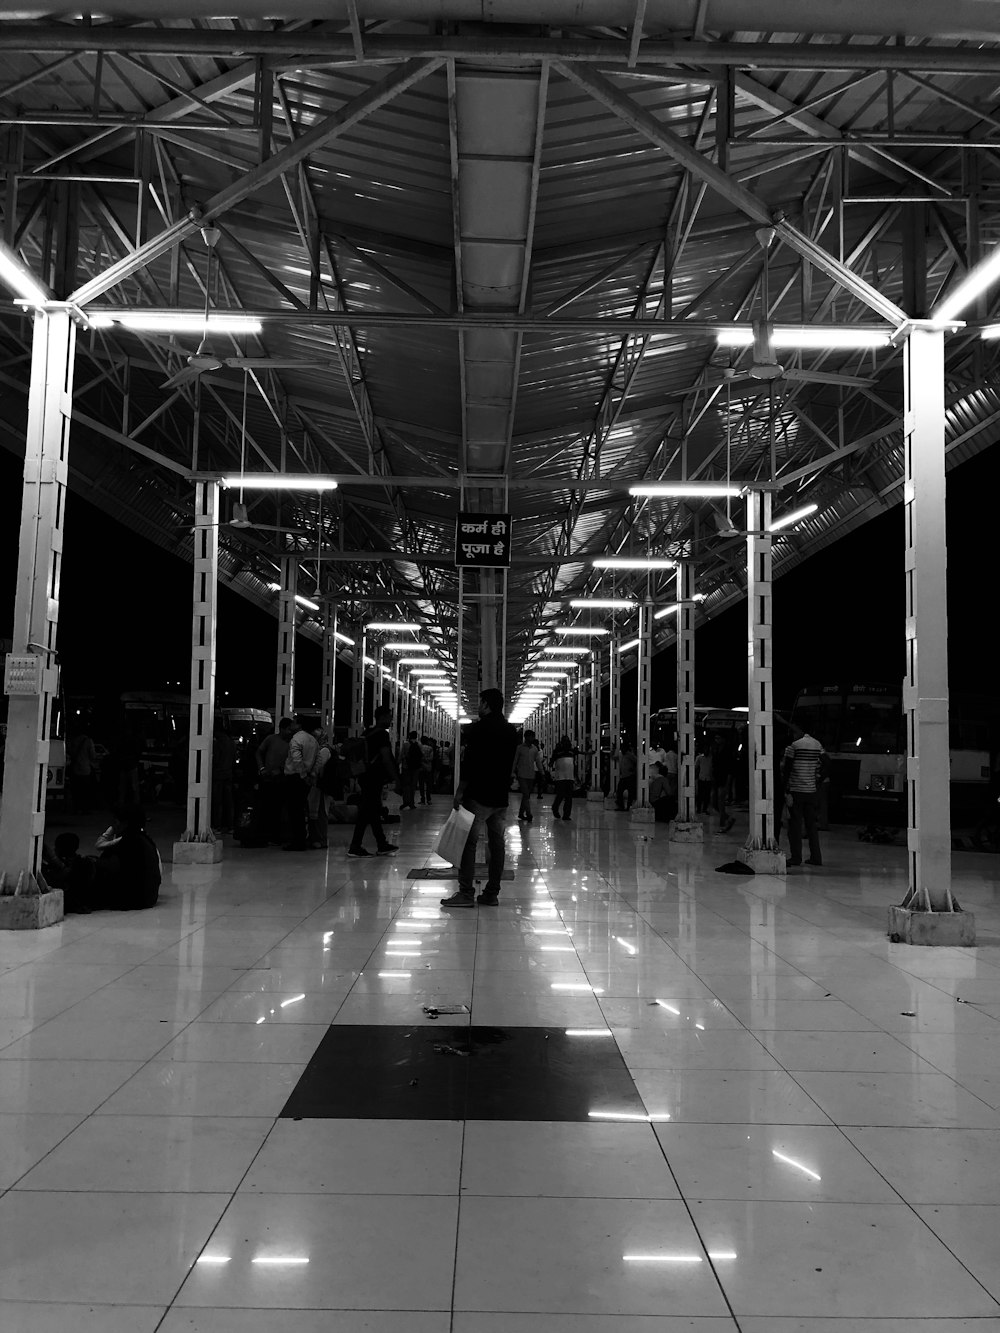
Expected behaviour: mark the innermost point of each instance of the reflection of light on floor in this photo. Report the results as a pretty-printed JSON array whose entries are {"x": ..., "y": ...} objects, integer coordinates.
[
  {"x": 588, "y": 1032},
  {"x": 281, "y": 1260},
  {"x": 214, "y": 1259},
  {"x": 629, "y": 1115},
  {"x": 402, "y": 975},
  {"x": 790, "y": 1161}
]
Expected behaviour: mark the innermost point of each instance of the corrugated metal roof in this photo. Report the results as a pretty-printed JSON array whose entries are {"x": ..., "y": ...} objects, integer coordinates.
[{"x": 370, "y": 222}]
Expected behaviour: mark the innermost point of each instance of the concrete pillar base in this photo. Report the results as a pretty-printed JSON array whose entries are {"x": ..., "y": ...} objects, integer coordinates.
[
  {"x": 197, "y": 853},
  {"x": 680, "y": 830},
  {"x": 763, "y": 862},
  {"x": 595, "y": 796},
  {"x": 642, "y": 814},
  {"x": 610, "y": 803},
  {"x": 940, "y": 929},
  {"x": 23, "y": 912}
]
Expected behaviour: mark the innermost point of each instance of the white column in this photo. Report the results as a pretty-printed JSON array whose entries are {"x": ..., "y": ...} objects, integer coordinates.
[
  {"x": 642, "y": 811},
  {"x": 329, "y": 684},
  {"x": 595, "y": 793},
  {"x": 198, "y": 843},
  {"x": 686, "y": 828},
  {"x": 284, "y": 690},
  {"x": 358, "y": 683},
  {"x": 925, "y": 685},
  {"x": 24, "y": 903},
  {"x": 614, "y": 717},
  {"x": 761, "y": 850}
]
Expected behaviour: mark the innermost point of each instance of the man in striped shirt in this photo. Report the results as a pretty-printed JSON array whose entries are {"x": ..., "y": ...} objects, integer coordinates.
[{"x": 803, "y": 770}]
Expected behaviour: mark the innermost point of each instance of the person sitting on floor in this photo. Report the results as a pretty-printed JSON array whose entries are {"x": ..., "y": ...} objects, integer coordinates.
[
  {"x": 64, "y": 868},
  {"x": 128, "y": 872}
]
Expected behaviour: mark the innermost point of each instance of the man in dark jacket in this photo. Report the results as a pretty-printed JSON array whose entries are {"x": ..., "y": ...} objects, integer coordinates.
[{"x": 484, "y": 789}]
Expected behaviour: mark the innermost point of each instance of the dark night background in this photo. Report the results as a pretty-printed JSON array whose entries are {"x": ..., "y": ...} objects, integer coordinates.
[{"x": 125, "y": 610}]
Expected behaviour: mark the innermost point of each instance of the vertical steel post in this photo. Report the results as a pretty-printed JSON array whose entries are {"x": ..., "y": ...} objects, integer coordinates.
[
  {"x": 330, "y": 611},
  {"x": 284, "y": 697},
  {"x": 358, "y": 683},
  {"x": 203, "y": 634},
  {"x": 614, "y": 717},
  {"x": 685, "y": 692},
  {"x": 595, "y": 721},
  {"x": 925, "y": 685},
  {"x": 378, "y": 694},
  {"x": 36, "y": 620},
  {"x": 760, "y": 728},
  {"x": 460, "y": 658},
  {"x": 643, "y": 709}
]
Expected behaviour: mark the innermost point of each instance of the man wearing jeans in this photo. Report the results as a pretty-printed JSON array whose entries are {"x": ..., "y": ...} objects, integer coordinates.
[
  {"x": 804, "y": 771},
  {"x": 484, "y": 789}
]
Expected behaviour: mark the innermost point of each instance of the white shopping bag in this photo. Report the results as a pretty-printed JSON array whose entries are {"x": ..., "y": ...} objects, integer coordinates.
[{"x": 455, "y": 834}]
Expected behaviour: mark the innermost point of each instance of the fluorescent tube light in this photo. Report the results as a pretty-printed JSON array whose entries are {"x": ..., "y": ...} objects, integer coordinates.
[
  {"x": 606, "y": 603},
  {"x": 412, "y": 661},
  {"x": 628, "y": 562},
  {"x": 278, "y": 481},
  {"x": 385, "y": 625},
  {"x": 304, "y": 601},
  {"x": 589, "y": 631},
  {"x": 795, "y": 516},
  {"x": 565, "y": 650},
  {"x": 405, "y": 647},
  {"x": 166, "y": 322},
  {"x": 632, "y": 643},
  {"x": 19, "y": 278},
  {"x": 973, "y": 285},
  {"x": 682, "y": 488},
  {"x": 667, "y": 611},
  {"x": 343, "y": 637},
  {"x": 805, "y": 336}
]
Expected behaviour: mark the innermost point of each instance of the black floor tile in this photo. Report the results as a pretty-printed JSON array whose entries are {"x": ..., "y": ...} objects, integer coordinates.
[{"x": 461, "y": 1073}]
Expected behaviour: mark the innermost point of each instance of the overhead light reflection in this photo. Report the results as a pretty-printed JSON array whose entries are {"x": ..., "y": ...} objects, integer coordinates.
[{"x": 790, "y": 1161}]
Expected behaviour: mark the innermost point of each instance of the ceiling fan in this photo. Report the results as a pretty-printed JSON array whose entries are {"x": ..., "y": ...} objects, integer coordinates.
[{"x": 764, "y": 365}]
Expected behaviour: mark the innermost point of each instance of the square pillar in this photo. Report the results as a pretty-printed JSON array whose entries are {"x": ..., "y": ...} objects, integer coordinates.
[
  {"x": 614, "y": 719},
  {"x": 685, "y": 827},
  {"x": 25, "y": 899},
  {"x": 925, "y": 685},
  {"x": 198, "y": 843},
  {"x": 329, "y": 611},
  {"x": 761, "y": 850},
  {"x": 358, "y": 684},
  {"x": 642, "y": 811},
  {"x": 284, "y": 695}
]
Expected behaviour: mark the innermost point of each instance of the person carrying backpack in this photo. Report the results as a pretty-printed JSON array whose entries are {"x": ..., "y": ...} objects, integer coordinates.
[{"x": 373, "y": 765}]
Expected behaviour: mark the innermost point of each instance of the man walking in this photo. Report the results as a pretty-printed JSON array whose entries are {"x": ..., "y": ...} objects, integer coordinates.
[
  {"x": 299, "y": 764},
  {"x": 527, "y": 765},
  {"x": 804, "y": 769},
  {"x": 484, "y": 788},
  {"x": 380, "y": 768}
]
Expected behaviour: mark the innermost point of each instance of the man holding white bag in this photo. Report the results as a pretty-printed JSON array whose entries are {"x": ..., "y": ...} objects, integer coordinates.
[{"x": 484, "y": 790}]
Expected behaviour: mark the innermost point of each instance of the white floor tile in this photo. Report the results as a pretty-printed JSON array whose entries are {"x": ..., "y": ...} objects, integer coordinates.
[
  {"x": 972, "y": 1233},
  {"x": 111, "y": 1248},
  {"x": 792, "y": 1258},
  {"x": 67, "y": 1037},
  {"x": 60, "y": 1086},
  {"x": 359, "y": 1157},
  {"x": 587, "y": 1269},
  {"x": 781, "y": 1162},
  {"x": 171, "y": 1154},
  {"x": 25, "y": 1139},
  {"x": 564, "y": 1160},
  {"x": 270, "y": 1042},
  {"x": 201, "y": 1087},
  {"x": 328, "y": 1251},
  {"x": 46, "y": 1317},
  {"x": 720, "y": 1096},
  {"x": 934, "y": 1165},
  {"x": 311, "y": 1321},
  {"x": 898, "y": 1099}
]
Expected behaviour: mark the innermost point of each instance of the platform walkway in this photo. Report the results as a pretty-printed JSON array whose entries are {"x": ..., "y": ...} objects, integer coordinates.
[{"x": 674, "y": 1099}]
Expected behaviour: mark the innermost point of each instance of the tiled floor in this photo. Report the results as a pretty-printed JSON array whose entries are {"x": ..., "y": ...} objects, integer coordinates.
[{"x": 657, "y": 1098}]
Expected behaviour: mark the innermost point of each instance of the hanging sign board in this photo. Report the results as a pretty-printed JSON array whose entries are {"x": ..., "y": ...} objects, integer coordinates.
[{"x": 483, "y": 540}]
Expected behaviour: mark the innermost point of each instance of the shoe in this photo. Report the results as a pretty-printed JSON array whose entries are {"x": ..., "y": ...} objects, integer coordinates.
[
  {"x": 358, "y": 851},
  {"x": 390, "y": 849},
  {"x": 487, "y": 899},
  {"x": 317, "y": 846},
  {"x": 813, "y": 863},
  {"x": 790, "y": 862},
  {"x": 459, "y": 899}
]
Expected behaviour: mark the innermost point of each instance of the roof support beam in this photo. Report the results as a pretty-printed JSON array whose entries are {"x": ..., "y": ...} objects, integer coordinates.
[
  {"x": 646, "y": 124},
  {"x": 349, "y": 116}
]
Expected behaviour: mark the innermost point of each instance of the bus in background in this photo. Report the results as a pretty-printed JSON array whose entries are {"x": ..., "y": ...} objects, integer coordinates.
[{"x": 862, "y": 728}]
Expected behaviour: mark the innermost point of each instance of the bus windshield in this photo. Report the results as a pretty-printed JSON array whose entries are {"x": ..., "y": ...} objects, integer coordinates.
[
  {"x": 820, "y": 715},
  {"x": 872, "y": 724}
]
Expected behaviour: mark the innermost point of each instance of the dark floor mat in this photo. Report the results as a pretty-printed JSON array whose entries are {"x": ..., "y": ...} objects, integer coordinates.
[{"x": 462, "y": 1073}]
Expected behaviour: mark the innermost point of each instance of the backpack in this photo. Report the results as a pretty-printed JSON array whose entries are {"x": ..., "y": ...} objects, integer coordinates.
[{"x": 356, "y": 754}]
